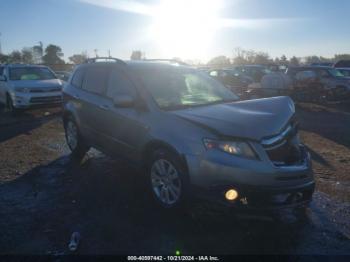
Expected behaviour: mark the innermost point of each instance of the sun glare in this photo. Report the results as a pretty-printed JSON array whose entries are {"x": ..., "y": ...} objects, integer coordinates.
[{"x": 185, "y": 28}]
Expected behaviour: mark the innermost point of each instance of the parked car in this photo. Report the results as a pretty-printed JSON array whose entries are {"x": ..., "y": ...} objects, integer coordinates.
[
  {"x": 233, "y": 79},
  {"x": 345, "y": 71},
  {"x": 190, "y": 134},
  {"x": 22, "y": 86},
  {"x": 273, "y": 84},
  {"x": 342, "y": 64},
  {"x": 256, "y": 72},
  {"x": 328, "y": 82},
  {"x": 63, "y": 75}
]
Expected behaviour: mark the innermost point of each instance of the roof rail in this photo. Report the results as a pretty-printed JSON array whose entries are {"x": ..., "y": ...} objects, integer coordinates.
[
  {"x": 168, "y": 60},
  {"x": 105, "y": 59}
]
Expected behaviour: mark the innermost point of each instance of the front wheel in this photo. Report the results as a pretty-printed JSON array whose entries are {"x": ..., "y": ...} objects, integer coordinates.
[
  {"x": 74, "y": 140},
  {"x": 168, "y": 180},
  {"x": 9, "y": 105}
]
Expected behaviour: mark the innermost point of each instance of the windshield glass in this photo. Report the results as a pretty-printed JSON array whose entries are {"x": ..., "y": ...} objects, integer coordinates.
[
  {"x": 178, "y": 88},
  {"x": 31, "y": 73},
  {"x": 335, "y": 73},
  {"x": 345, "y": 72}
]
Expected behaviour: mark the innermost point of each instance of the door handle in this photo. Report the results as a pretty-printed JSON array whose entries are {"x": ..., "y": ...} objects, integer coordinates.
[{"x": 104, "y": 107}]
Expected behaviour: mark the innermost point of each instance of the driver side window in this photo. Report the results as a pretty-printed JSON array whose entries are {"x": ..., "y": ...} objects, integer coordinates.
[{"x": 119, "y": 84}]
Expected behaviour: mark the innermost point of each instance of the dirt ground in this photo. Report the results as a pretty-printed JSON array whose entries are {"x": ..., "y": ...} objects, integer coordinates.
[{"x": 44, "y": 198}]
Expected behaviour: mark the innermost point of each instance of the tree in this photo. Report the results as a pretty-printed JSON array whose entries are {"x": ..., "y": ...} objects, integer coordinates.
[
  {"x": 261, "y": 58},
  {"x": 219, "y": 60},
  {"x": 136, "y": 55},
  {"x": 38, "y": 53},
  {"x": 312, "y": 59},
  {"x": 27, "y": 56},
  {"x": 78, "y": 58},
  {"x": 52, "y": 53},
  {"x": 294, "y": 61},
  {"x": 15, "y": 57},
  {"x": 283, "y": 60},
  {"x": 341, "y": 57},
  {"x": 4, "y": 58}
]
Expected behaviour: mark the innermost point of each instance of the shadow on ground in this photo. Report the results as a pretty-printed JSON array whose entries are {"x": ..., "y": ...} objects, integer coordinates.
[{"x": 105, "y": 201}]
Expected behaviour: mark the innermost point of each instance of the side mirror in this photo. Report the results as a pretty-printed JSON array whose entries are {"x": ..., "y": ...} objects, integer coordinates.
[
  {"x": 124, "y": 101},
  {"x": 3, "y": 78}
]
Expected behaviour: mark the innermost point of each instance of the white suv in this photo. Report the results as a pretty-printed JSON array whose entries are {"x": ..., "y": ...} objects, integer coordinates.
[{"x": 22, "y": 86}]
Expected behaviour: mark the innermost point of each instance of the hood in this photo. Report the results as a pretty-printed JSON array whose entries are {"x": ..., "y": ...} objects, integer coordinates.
[
  {"x": 37, "y": 83},
  {"x": 251, "y": 119}
]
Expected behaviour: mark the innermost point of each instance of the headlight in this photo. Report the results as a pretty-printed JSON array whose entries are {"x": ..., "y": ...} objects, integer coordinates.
[
  {"x": 22, "y": 89},
  {"x": 237, "y": 148}
]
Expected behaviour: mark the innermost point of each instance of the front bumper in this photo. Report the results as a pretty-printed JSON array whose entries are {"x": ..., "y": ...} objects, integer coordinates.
[
  {"x": 24, "y": 100},
  {"x": 257, "y": 198},
  {"x": 260, "y": 184}
]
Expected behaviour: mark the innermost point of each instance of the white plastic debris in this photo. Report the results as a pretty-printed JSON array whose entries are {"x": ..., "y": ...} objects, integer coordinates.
[{"x": 74, "y": 241}]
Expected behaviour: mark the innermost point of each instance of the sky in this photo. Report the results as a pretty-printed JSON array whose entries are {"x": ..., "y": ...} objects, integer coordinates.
[{"x": 188, "y": 29}]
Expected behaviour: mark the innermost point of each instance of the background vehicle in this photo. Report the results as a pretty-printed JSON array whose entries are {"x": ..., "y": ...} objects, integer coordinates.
[
  {"x": 22, "y": 86},
  {"x": 190, "y": 133},
  {"x": 345, "y": 71},
  {"x": 256, "y": 72},
  {"x": 327, "y": 82},
  {"x": 63, "y": 75},
  {"x": 233, "y": 79},
  {"x": 342, "y": 63}
]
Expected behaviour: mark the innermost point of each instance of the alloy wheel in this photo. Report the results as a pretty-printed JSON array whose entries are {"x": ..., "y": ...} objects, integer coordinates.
[{"x": 166, "y": 183}]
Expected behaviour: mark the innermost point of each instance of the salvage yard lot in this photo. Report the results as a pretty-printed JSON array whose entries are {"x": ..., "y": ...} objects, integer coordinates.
[{"x": 44, "y": 197}]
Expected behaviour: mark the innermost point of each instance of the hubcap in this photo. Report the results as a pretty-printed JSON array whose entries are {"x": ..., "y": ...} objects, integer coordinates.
[
  {"x": 166, "y": 182},
  {"x": 72, "y": 133}
]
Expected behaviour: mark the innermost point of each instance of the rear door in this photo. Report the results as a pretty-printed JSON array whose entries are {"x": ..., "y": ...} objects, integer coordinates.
[{"x": 94, "y": 103}]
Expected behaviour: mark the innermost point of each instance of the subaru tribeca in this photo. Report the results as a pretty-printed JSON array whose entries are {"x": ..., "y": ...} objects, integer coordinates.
[{"x": 190, "y": 133}]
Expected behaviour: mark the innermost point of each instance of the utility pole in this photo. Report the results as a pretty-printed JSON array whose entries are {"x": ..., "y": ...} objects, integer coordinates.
[
  {"x": 109, "y": 53},
  {"x": 96, "y": 55}
]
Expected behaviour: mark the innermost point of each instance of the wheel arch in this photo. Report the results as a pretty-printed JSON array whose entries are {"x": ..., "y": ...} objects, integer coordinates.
[{"x": 158, "y": 144}]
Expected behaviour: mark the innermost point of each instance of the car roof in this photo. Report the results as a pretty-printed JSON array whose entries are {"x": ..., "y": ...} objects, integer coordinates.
[
  {"x": 141, "y": 64},
  {"x": 25, "y": 65}
]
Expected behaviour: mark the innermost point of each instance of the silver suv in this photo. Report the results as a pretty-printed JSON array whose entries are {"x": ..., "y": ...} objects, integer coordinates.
[
  {"x": 22, "y": 86},
  {"x": 189, "y": 133}
]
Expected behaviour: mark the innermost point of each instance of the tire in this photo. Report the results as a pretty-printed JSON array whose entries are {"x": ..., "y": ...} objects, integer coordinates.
[
  {"x": 74, "y": 139},
  {"x": 301, "y": 214},
  {"x": 9, "y": 105},
  {"x": 167, "y": 180}
]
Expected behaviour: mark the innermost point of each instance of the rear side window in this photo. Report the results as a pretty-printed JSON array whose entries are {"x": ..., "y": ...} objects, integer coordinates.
[
  {"x": 119, "y": 84},
  {"x": 77, "y": 79},
  {"x": 95, "y": 80}
]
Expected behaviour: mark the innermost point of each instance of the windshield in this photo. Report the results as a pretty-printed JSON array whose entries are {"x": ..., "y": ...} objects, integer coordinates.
[
  {"x": 335, "y": 73},
  {"x": 31, "y": 73},
  {"x": 178, "y": 88}
]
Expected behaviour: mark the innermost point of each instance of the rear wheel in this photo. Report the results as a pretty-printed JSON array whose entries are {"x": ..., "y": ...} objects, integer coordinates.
[
  {"x": 167, "y": 179},
  {"x": 74, "y": 140}
]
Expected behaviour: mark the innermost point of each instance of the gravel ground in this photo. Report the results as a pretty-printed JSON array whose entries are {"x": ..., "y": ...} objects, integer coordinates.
[{"x": 44, "y": 197}]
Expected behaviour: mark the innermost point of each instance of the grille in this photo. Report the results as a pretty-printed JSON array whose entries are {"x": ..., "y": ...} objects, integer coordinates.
[
  {"x": 45, "y": 89},
  {"x": 284, "y": 149},
  {"x": 46, "y": 99}
]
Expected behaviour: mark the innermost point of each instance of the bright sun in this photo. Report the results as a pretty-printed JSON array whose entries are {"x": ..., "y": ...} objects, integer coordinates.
[{"x": 185, "y": 28}]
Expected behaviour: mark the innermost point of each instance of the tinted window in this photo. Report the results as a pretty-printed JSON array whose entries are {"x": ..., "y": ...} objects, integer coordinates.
[
  {"x": 119, "y": 84},
  {"x": 77, "y": 80},
  {"x": 95, "y": 80},
  {"x": 1, "y": 70}
]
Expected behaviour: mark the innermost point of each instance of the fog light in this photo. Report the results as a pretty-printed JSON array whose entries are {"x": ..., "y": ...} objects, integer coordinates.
[{"x": 231, "y": 194}]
